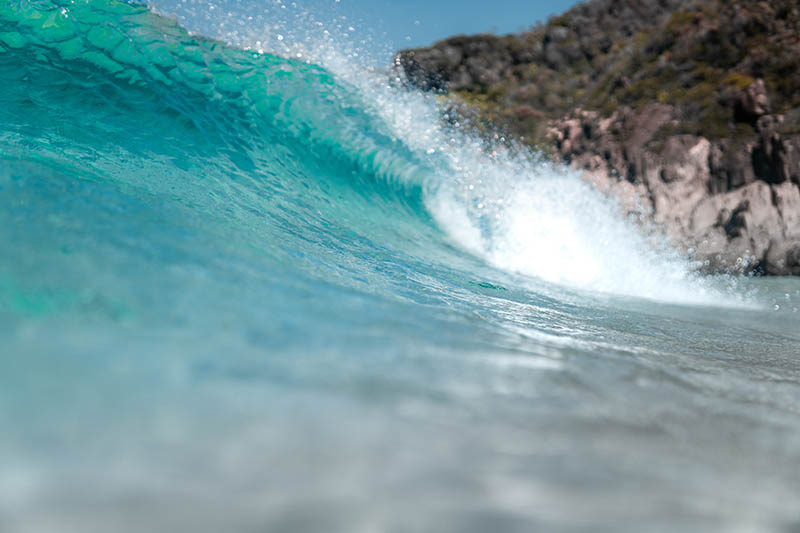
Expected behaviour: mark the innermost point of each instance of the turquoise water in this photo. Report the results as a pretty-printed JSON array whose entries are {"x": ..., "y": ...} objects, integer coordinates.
[{"x": 240, "y": 292}]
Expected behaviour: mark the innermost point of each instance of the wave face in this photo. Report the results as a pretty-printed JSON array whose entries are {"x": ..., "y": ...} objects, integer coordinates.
[{"x": 243, "y": 291}]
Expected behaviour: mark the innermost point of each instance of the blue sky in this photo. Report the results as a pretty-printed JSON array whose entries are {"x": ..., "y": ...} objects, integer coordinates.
[
  {"x": 386, "y": 25},
  {"x": 421, "y": 22}
]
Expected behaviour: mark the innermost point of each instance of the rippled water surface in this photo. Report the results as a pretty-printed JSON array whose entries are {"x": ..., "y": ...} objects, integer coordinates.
[{"x": 240, "y": 292}]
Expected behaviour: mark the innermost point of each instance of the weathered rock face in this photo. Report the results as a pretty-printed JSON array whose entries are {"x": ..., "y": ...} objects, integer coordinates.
[
  {"x": 732, "y": 206},
  {"x": 687, "y": 110}
]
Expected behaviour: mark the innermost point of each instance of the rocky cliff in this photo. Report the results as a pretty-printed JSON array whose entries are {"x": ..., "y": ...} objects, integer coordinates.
[{"x": 688, "y": 111}]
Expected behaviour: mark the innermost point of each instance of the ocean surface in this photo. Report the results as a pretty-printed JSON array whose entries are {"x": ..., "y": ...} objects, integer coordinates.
[{"x": 250, "y": 292}]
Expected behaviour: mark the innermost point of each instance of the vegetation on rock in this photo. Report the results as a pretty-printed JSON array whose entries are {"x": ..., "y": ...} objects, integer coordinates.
[{"x": 601, "y": 55}]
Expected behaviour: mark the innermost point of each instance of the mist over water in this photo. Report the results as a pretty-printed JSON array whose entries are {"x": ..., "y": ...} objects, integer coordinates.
[{"x": 257, "y": 284}]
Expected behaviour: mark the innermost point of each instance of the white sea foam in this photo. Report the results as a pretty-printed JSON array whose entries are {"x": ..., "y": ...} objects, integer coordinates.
[{"x": 549, "y": 224}]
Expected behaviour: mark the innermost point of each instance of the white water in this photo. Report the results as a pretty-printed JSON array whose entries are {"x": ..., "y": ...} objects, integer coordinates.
[{"x": 547, "y": 223}]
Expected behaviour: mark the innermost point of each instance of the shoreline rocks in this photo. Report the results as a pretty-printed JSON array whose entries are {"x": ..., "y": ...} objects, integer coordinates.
[
  {"x": 733, "y": 206},
  {"x": 688, "y": 111}
]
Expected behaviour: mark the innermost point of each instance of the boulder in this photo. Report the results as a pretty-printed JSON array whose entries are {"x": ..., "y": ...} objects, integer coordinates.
[{"x": 753, "y": 102}]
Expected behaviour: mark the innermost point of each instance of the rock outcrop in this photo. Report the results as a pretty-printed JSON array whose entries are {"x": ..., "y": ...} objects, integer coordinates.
[
  {"x": 734, "y": 206},
  {"x": 688, "y": 111}
]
